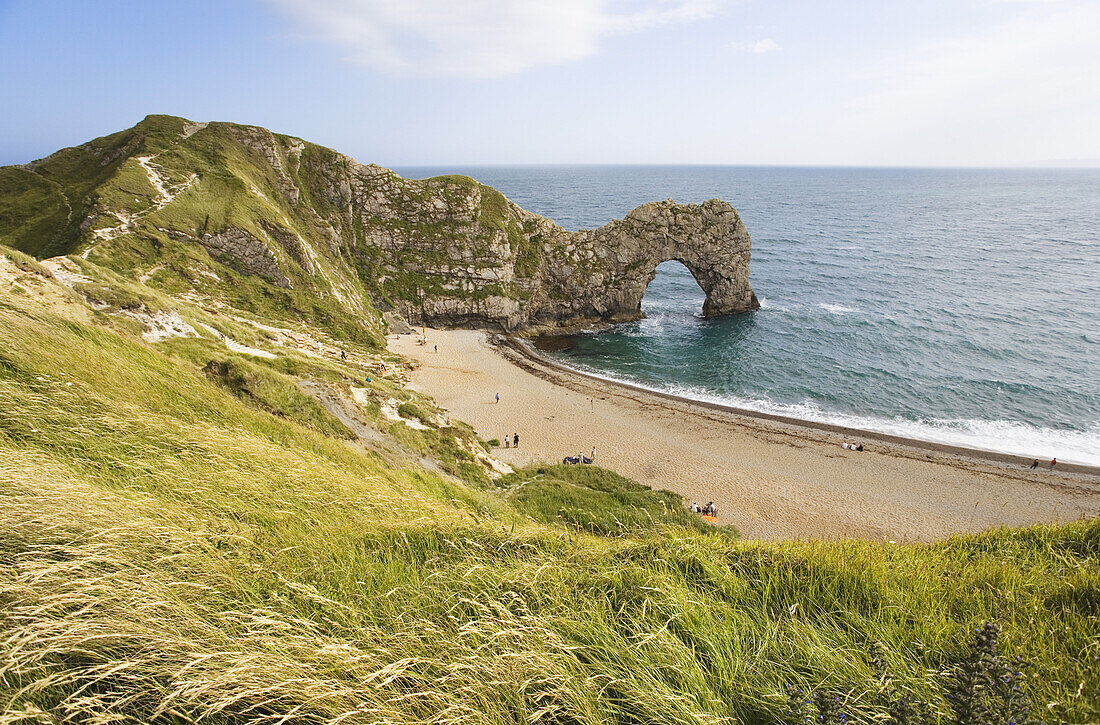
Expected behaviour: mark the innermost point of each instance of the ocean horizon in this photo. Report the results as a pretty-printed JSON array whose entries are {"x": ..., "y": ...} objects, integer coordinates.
[{"x": 953, "y": 305}]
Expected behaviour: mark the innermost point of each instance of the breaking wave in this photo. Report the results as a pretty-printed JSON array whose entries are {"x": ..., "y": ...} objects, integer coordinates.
[{"x": 998, "y": 436}]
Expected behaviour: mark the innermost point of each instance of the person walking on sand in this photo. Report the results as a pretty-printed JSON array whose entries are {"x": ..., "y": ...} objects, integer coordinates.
[
  {"x": 1053, "y": 463},
  {"x": 593, "y": 453},
  {"x": 1035, "y": 464},
  {"x": 498, "y": 397},
  {"x": 515, "y": 440}
]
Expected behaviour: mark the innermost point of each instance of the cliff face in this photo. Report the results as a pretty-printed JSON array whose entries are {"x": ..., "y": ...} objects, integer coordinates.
[{"x": 226, "y": 207}]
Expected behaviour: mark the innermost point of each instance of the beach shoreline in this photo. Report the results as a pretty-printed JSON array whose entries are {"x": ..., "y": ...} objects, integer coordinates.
[
  {"x": 1009, "y": 460},
  {"x": 772, "y": 477}
]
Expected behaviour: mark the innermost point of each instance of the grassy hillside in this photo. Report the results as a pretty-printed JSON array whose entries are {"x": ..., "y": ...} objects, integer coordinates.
[
  {"x": 43, "y": 204},
  {"x": 267, "y": 223},
  {"x": 182, "y": 542}
]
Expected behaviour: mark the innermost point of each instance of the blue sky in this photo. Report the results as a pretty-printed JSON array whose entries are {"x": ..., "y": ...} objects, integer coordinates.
[{"x": 407, "y": 82}]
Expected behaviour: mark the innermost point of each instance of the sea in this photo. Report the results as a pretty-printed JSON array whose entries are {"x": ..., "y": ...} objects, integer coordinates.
[{"x": 959, "y": 306}]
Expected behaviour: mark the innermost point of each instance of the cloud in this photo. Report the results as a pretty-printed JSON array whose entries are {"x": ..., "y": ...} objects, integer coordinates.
[
  {"x": 1022, "y": 89},
  {"x": 764, "y": 45},
  {"x": 479, "y": 38}
]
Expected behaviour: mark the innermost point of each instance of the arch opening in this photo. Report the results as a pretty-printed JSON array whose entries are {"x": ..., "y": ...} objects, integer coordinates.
[{"x": 673, "y": 290}]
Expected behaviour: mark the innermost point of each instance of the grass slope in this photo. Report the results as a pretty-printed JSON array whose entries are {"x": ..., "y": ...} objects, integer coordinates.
[
  {"x": 42, "y": 205},
  {"x": 170, "y": 551},
  {"x": 325, "y": 242},
  {"x": 596, "y": 500}
]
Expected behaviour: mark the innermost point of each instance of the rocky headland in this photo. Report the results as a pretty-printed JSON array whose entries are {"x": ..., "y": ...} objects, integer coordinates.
[{"x": 235, "y": 207}]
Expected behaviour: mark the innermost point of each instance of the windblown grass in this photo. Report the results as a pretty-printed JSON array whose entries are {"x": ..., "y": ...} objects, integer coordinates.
[
  {"x": 597, "y": 500},
  {"x": 169, "y": 553}
]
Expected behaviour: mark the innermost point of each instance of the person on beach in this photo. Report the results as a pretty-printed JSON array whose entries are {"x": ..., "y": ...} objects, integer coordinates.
[
  {"x": 593, "y": 453},
  {"x": 860, "y": 448},
  {"x": 343, "y": 355},
  {"x": 498, "y": 397},
  {"x": 515, "y": 440},
  {"x": 437, "y": 349},
  {"x": 1035, "y": 464},
  {"x": 506, "y": 440},
  {"x": 694, "y": 508},
  {"x": 1053, "y": 463}
]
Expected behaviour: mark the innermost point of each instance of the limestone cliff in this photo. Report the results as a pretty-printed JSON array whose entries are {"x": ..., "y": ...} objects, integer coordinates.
[{"x": 245, "y": 214}]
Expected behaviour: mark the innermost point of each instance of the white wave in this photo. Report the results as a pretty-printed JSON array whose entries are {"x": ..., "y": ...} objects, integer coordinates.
[
  {"x": 766, "y": 304},
  {"x": 999, "y": 436},
  {"x": 836, "y": 309},
  {"x": 652, "y": 325}
]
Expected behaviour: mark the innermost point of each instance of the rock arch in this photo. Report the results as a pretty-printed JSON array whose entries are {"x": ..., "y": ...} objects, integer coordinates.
[
  {"x": 673, "y": 273},
  {"x": 609, "y": 268}
]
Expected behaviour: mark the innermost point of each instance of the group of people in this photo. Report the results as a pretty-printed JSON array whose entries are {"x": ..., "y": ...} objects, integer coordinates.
[
  {"x": 580, "y": 458},
  {"x": 1053, "y": 463},
  {"x": 514, "y": 440},
  {"x": 851, "y": 446},
  {"x": 709, "y": 510}
]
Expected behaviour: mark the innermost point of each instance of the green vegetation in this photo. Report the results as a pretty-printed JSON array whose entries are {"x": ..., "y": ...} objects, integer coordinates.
[
  {"x": 274, "y": 393},
  {"x": 43, "y": 205},
  {"x": 293, "y": 199},
  {"x": 412, "y": 410},
  {"x": 596, "y": 500},
  {"x": 985, "y": 689},
  {"x": 32, "y": 210}
]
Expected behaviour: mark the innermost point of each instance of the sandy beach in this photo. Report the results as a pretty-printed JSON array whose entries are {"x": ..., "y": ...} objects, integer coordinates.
[{"x": 773, "y": 479}]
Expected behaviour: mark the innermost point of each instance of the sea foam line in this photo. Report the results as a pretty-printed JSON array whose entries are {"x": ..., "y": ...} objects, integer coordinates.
[{"x": 998, "y": 436}]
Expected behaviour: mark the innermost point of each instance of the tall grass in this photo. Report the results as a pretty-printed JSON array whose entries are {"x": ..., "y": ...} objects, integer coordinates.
[
  {"x": 597, "y": 500},
  {"x": 169, "y": 553}
]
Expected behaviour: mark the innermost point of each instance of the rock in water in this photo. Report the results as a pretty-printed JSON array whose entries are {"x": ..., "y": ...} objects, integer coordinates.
[{"x": 607, "y": 272}]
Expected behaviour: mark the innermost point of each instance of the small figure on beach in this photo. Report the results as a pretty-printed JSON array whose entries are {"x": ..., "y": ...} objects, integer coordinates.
[
  {"x": 859, "y": 447},
  {"x": 694, "y": 508},
  {"x": 343, "y": 355},
  {"x": 498, "y": 397},
  {"x": 515, "y": 440},
  {"x": 1035, "y": 464},
  {"x": 1053, "y": 463},
  {"x": 593, "y": 453},
  {"x": 437, "y": 349},
  {"x": 507, "y": 440}
]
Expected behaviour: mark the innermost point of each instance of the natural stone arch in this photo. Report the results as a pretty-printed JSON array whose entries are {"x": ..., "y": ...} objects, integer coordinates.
[
  {"x": 709, "y": 239},
  {"x": 673, "y": 271}
]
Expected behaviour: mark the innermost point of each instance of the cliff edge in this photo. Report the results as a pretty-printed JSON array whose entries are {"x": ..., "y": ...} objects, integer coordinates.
[{"x": 242, "y": 213}]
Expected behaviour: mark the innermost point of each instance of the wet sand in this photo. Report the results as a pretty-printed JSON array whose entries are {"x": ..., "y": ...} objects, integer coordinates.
[{"x": 772, "y": 478}]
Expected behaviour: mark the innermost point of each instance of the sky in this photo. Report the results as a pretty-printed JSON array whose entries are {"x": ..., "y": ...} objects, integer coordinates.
[{"x": 471, "y": 82}]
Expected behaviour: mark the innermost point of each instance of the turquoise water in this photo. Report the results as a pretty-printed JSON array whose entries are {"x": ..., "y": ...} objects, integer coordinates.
[{"x": 960, "y": 306}]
